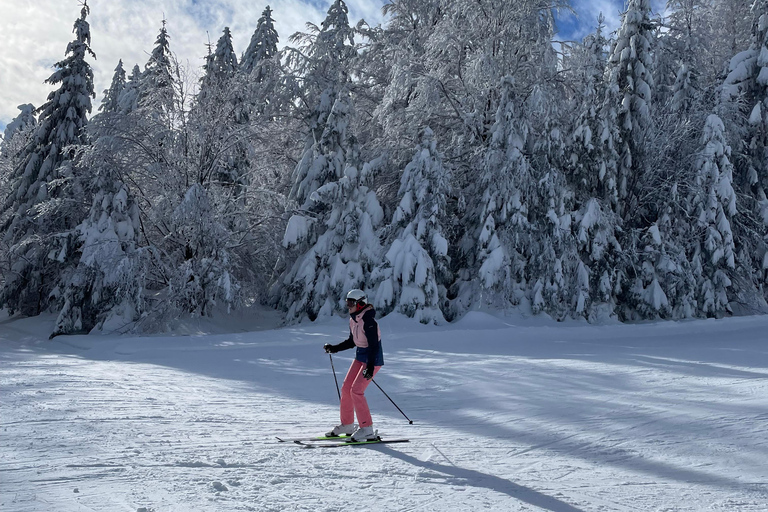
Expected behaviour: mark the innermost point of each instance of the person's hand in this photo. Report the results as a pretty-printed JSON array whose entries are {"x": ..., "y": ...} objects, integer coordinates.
[
  {"x": 368, "y": 373},
  {"x": 329, "y": 348}
]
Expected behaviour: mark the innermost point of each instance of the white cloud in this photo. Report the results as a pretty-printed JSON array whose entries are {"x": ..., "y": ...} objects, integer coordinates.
[{"x": 37, "y": 33}]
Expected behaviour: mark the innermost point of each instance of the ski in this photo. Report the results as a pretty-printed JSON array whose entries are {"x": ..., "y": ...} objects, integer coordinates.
[
  {"x": 316, "y": 438},
  {"x": 349, "y": 443}
]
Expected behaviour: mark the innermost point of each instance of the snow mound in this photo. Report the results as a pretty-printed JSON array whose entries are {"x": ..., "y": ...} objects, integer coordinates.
[{"x": 478, "y": 320}]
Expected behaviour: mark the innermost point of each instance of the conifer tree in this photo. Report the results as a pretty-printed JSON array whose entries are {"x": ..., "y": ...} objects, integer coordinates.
[
  {"x": 43, "y": 200},
  {"x": 20, "y": 124},
  {"x": 327, "y": 88},
  {"x": 630, "y": 86},
  {"x": 714, "y": 207},
  {"x": 157, "y": 82},
  {"x": 592, "y": 163},
  {"x": 263, "y": 45},
  {"x": 104, "y": 289},
  {"x": 506, "y": 183},
  {"x": 337, "y": 251},
  {"x": 111, "y": 101},
  {"x": 224, "y": 59},
  {"x": 269, "y": 94},
  {"x": 128, "y": 100},
  {"x": 416, "y": 272},
  {"x": 588, "y": 155},
  {"x": 744, "y": 97},
  {"x": 16, "y": 137},
  {"x": 684, "y": 20}
]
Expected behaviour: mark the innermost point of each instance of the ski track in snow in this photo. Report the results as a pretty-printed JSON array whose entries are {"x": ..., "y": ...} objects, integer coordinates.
[{"x": 663, "y": 417}]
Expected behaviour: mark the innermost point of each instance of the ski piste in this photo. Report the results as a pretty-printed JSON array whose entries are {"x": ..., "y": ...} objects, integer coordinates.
[{"x": 310, "y": 444}]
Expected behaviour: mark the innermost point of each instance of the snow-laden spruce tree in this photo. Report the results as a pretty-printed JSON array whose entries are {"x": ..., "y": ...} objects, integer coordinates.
[
  {"x": 646, "y": 299},
  {"x": 495, "y": 246},
  {"x": 225, "y": 58},
  {"x": 268, "y": 90},
  {"x": 110, "y": 103},
  {"x": 128, "y": 100},
  {"x": 416, "y": 271},
  {"x": 758, "y": 119},
  {"x": 731, "y": 33},
  {"x": 592, "y": 161},
  {"x": 744, "y": 108},
  {"x": 589, "y": 154},
  {"x": 16, "y": 137},
  {"x": 713, "y": 207},
  {"x": 598, "y": 271},
  {"x": 630, "y": 85},
  {"x": 326, "y": 89},
  {"x": 686, "y": 30},
  {"x": 104, "y": 290},
  {"x": 263, "y": 46},
  {"x": 44, "y": 198},
  {"x": 157, "y": 89},
  {"x": 19, "y": 126},
  {"x": 648, "y": 205},
  {"x": 338, "y": 250}
]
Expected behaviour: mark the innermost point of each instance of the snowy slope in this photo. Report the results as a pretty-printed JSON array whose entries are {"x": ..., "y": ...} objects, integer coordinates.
[{"x": 663, "y": 417}]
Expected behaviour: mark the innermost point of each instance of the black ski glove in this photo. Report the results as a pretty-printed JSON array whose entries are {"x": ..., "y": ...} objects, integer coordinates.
[
  {"x": 368, "y": 372},
  {"x": 330, "y": 349}
]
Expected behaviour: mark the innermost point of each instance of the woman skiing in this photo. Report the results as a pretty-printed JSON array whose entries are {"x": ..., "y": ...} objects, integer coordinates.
[{"x": 364, "y": 333}]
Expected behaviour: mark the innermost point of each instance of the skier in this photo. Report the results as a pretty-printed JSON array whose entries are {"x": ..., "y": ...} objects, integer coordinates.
[{"x": 364, "y": 333}]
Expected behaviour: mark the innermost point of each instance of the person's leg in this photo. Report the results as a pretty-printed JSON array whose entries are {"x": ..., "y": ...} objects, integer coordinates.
[
  {"x": 347, "y": 405},
  {"x": 358, "y": 397}
]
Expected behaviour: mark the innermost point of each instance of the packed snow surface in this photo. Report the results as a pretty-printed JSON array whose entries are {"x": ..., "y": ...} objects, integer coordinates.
[{"x": 509, "y": 415}]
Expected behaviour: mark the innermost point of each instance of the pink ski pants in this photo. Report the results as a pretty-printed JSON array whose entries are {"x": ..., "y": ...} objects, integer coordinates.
[{"x": 353, "y": 400}]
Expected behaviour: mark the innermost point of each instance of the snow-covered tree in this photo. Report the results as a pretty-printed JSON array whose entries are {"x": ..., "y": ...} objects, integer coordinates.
[
  {"x": 20, "y": 124},
  {"x": 714, "y": 207},
  {"x": 416, "y": 272},
  {"x": 647, "y": 297},
  {"x": 630, "y": 85},
  {"x": 497, "y": 244},
  {"x": 224, "y": 58},
  {"x": 16, "y": 137},
  {"x": 327, "y": 88},
  {"x": 338, "y": 250},
  {"x": 589, "y": 155},
  {"x": 272, "y": 91},
  {"x": 44, "y": 198},
  {"x": 598, "y": 272},
  {"x": 263, "y": 45},
  {"x": 104, "y": 290},
  {"x": 111, "y": 101},
  {"x": 157, "y": 81},
  {"x": 203, "y": 280},
  {"x": 686, "y": 23},
  {"x": 222, "y": 149},
  {"x": 128, "y": 100},
  {"x": 744, "y": 109}
]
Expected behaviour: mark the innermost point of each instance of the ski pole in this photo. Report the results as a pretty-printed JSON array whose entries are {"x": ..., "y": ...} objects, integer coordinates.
[
  {"x": 410, "y": 421},
  {"x": 334, "y": 377}
]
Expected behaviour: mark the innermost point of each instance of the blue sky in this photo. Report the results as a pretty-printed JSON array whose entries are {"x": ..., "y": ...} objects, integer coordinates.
[{"x": 37, "y": 33}]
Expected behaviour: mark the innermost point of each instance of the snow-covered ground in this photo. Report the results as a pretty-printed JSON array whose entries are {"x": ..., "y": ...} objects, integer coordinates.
[{"x": 508, "y": 415}]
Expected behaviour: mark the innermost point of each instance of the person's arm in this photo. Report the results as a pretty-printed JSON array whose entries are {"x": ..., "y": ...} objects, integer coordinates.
[
  {"x": 344, "y": 345},
  {"x": 371, "y": 330}
]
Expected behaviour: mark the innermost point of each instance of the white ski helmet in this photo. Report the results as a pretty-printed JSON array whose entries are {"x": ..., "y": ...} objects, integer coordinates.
[{"x": 357, "y": 295}]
